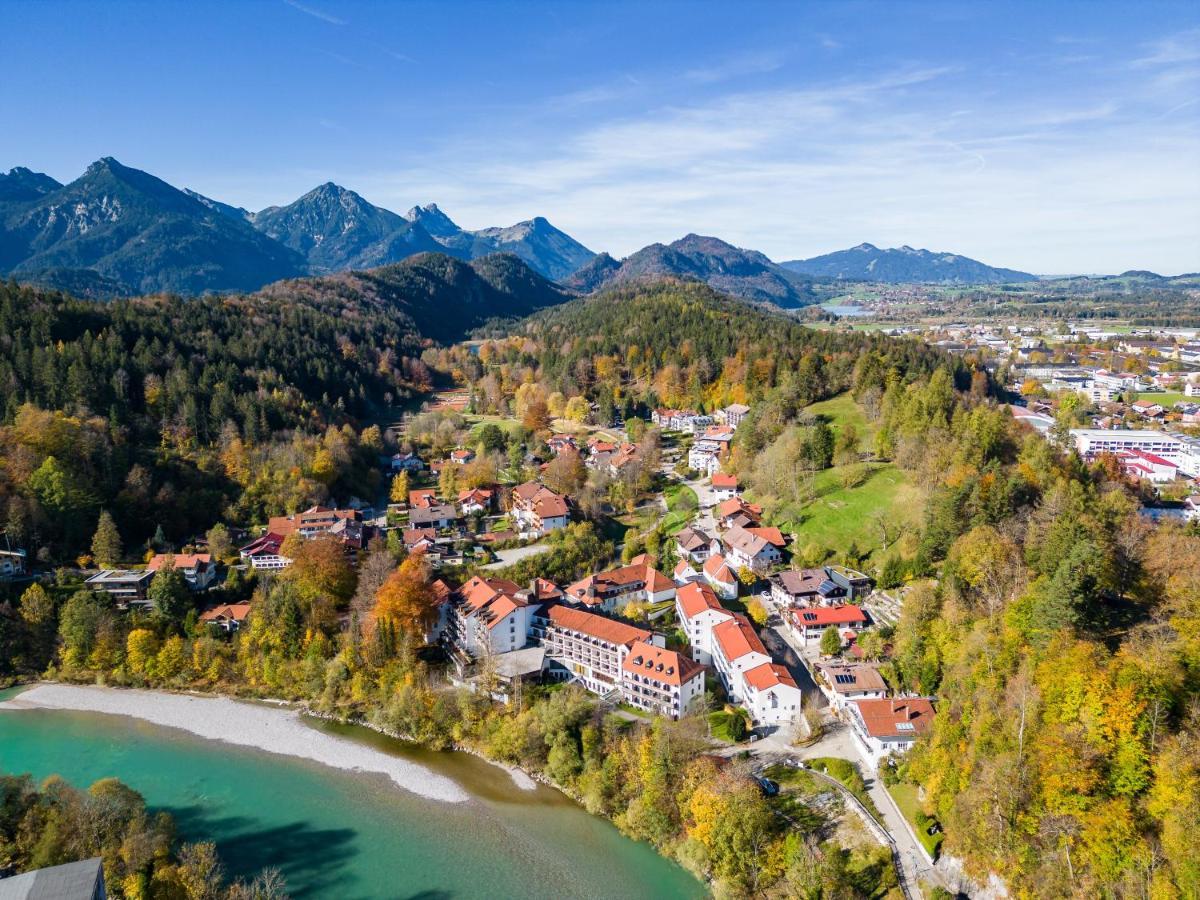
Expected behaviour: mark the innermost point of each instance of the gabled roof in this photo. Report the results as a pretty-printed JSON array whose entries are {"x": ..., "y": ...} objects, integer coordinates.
[
  {"x": 692, "y": 539},
  {"x": 771, "y": 535},
  {"x": 662, "y": 665},
  {"x": 735, "y": 505},
  {"x": 719, "y": 570},
  {"x": 745, "y": 541},
  {"x": 180, "y": 561},
  {"x": 234, "y": 612},
  {"x": 492, "y": 599},
  {"x": 737, "y": 638},
  {"x": 616, "y": 581},
  {"x": 845, "y": 678},
  {"x": 600, "y": 627},
  {"x": 723, "y": 482},
  {"x": 422, "y": 497},
  {"x": 769, "y": 675},
  {"x": 799, "y": 583},
  {"x": 696, "y": 597},
  {"x": 902, "y": 717},
  {"x": 267, "y": 545}
]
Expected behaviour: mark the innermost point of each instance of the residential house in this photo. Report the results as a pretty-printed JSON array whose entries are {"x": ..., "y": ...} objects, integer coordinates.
[
  {"x": 842, "y": 682},
  {"x": 12, "y": 563},
  {"x": 313, "y": 521},
  {"x": 1141, "y": 464},
  {"x": 695, "y": 545},
  {"x": 126, "y": 586},
  {"x": 198, "y": 569},
  {"x": 884, "y": 728},
  {"x": 422, "y": 498},
  {"x": 476, "y": 501},
  {"x": 229, "y": 617},
  {"x": 673, "y": 419},
  {"x": 1147, "y": 409},
  {"x": 419, "y": 539},
  {"x": 805, "y": 587},
  {"x": 560, "y": 442},
  {"x": 856, "y": 583},
  {"x": 754, "y": 548},
  {"x": 538, "y": 510},
  {"x": 809, "y": 623},
  {"x": 461, "y": 456},
  {"x": 771, "y": 695},
  {"x": 720, "y": 576},
  {"x": 263, "y": 554},
  {"x": 609, "y": 591},
  {"x": 725, "y": 487},
  {"x": 705, "y": 457},
  {"x": 440, "y": 515},
  {"x": 698, "y": 611},
  {"x": 406, "y": 462},
  {"x": 736, "y": 511}
]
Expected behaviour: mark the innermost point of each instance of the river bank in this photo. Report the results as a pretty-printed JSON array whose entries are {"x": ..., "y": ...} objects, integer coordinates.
[{"x": 275, "y": 728}]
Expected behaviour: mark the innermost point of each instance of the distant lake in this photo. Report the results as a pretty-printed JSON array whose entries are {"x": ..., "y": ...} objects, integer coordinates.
[
  {"x": 846, "y": 310},
  {"x": 345, "y": 835}
]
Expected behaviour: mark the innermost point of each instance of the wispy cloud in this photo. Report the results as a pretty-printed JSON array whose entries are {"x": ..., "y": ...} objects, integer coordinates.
[
  {"x": 736, "y": 67},
  {"x": 315, "y": 13}
]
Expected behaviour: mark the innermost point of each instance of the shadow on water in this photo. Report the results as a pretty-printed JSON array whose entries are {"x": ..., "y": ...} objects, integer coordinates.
[{"x": 314, "y": 861}]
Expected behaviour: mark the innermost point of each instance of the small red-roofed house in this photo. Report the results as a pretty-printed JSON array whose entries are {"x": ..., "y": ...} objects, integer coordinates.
[
  {"x": 771, "y": 694},
  {"x": 809, "y": 623},
  {"x": 884, "y": 728},
  {"x": 229, "y": 617},
  {"x": 721, "y": 577}
]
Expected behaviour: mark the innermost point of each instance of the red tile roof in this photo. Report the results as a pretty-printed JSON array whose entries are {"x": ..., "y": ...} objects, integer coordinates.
[
  {"x": 235, "y": 612},
  {"x": 716, "y": 568},
  {"x": 768, "y": 675},
  {"x": 665, "y": 666},
  {"x": 817, "y": 616},
  {"x": 181, "y": 560},
  {"x": 695, "y": 597},
  {"x": 884, "y": 718},
  {"x": 770, "y": 535},
  {"x": 596, "y": 626},
  {"x": 737, "y": 638},
  {"x": 721, "y": 481}
]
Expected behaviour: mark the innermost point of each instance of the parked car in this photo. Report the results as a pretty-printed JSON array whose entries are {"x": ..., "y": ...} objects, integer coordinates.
[{"x": 767, "y": 786}]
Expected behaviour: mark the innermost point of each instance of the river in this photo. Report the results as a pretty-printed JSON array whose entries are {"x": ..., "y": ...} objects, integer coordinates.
[{"x": 344, "y": 834}]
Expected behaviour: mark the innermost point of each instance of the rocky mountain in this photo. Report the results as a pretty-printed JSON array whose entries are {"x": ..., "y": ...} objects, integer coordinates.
[
  {"x": 742, "y": 273},
  {"x": 21, "y": 185},
  {"x": 866, "y": 262},
  {"x": 548, "y": 250},
  {"x": 123, "y": 226},
  {"x": 234, "y": 212},
  {"x": 443, "y": 297},
  {"x": 335, "y": 229}
]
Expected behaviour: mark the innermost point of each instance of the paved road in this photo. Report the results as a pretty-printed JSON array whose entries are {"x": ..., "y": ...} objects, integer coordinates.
[{"x": 516, "y": 554}]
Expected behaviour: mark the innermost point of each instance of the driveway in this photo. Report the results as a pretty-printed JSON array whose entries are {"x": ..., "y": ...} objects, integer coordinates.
[{"x": 516, "y": 554}]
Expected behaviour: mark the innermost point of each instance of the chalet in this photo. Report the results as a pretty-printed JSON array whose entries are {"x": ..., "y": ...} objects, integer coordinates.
[
  {"x": 422, "y": 498},
  {"x": 809, "y": 623},
  {"x": 756, "y": 549},
  {"x": 560, "y": 442},
  {"x": 720, "y": 576},
  {"x": 440, "y": 515},
  {"x": 476, "y": 501},
  {"x": 884, "y": 728},
  {"x": 263, "y": 554},
  {"x": 538, "y": 510},
  {"x": 229, "y": 617},
  {"x": 737, "y": 511},
  {"x": 406, "y": 462},
  {"x": 805, "y": 587},
  {"x": 695, "y": 545},
  {"x": 126, "y": 586},
  {"x": 698, "y": 611},
  {"x": 842, "y": 682},
  {"x": 419, "y": 538},
  {"x": 461, "y": 457},
  {"x": 1148, "y": 409},
  {"x": 725, "y": 487},
  {"x": 609, "y": 591},
  {"x": 197, "y": 568}
]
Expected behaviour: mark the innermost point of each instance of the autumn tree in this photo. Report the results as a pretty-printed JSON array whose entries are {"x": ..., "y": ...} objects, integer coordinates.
[
  {"x": 400, "y": 488},
  {"x": 831, "y": 642},
  {"x": 169, "y": 593},
  {"x": 405, "y": 599},
  {"x": 220, "y": 545}
]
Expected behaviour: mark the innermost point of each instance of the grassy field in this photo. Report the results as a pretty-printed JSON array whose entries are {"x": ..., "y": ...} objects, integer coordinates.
[
  {"x": 905, "y": 796},
  {"x": 839, "y": 516},
  {"x": 1167, "y": 399},
  {"x": 719, "y": 725}
]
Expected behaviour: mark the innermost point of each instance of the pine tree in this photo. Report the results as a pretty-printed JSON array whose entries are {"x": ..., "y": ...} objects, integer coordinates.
[{"x": 106, "y": 544}]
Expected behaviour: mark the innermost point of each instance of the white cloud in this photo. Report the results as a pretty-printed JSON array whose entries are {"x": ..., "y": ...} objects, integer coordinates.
[{"x": 315, "y": 13}]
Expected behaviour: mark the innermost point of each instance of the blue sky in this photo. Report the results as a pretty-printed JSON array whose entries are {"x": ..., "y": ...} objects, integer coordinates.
[{"x": 1052, "y": 137}]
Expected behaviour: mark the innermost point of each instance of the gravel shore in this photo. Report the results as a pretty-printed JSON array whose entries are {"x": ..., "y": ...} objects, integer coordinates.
[{"x": 273, "y": 729}]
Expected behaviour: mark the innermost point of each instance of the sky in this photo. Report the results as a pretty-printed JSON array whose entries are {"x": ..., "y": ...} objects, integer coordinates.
[{"x": 1050, "y": 137}]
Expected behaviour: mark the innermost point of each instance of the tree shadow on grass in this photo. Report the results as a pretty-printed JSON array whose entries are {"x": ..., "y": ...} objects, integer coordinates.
[{"x": 313, "y": 860}]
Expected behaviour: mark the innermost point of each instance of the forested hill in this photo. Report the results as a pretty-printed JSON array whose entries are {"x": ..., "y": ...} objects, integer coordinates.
[
  {"x": 166, "y": 410},
  {"x": 681, "y": 343}
]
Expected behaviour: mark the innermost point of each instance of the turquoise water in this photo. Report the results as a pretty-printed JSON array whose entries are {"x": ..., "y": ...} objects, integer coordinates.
[{"x": 345, "y": 835}]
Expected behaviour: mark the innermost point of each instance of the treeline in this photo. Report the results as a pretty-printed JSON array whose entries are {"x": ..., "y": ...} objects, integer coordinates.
[
  {"x": 55, "y": 823},
  {"x": 673, "y": 344},
  {"x": 1060, "y": 640}
]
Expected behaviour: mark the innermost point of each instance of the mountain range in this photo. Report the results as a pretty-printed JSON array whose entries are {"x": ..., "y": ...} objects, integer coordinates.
[
  {"x": 118, "y": 231},
  {"x": 743, "y": 273},
  {"x": 866, "y": 262}
]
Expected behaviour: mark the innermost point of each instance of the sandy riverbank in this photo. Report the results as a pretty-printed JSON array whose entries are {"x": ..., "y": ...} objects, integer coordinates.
[{"x": 273, "y": 729}]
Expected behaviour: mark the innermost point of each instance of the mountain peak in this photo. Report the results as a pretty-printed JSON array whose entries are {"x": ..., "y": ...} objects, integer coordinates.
[
  {"x": 865, "y": 247},
  {"x": 904, "y": 264}
]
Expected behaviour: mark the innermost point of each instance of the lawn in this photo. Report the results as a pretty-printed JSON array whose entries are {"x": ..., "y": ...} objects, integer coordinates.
[
  {"x": 682, "y": 504},
  {"x": 719, "y": 725},
  {"x": 842, "y": 410},
  {"x": 905, "y": 795}
]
